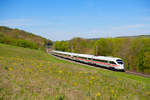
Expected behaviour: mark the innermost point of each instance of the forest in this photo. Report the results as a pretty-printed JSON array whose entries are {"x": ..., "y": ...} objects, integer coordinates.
[
  {"x": 135, "y": 51},
  {"x": 22, "y": 38}
]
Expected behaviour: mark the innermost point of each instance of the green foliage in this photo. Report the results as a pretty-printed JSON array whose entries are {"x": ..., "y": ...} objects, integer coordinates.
[
  {"x": 103, "y": 47},
  {"x": 80, "y": 45},
  {"x": 27, "y": 44},
  {"x": 62, "y": 46},
  {"x": 26, "y": 39},
  {"x": 146, "y": 62},
  {"x": 18, "y": 42},
  {"x": 48, "y": 42},
  {"x": 61, "y": 98},
  {"x": 133, "y": 51}
]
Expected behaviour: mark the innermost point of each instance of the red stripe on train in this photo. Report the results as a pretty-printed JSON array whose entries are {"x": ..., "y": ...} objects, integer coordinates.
[
  {"x": 93, "y": 61},
  {"x": 98, "y": 62}
]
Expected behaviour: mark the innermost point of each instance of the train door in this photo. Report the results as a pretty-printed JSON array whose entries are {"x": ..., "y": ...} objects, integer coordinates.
[{"x": 112, "y": 63}]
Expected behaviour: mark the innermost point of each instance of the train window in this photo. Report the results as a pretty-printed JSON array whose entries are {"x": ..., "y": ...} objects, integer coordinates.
[
  {"x": 112, "y": 62},
  {"x": 100, "y": 60},
  {"x": 90, "y": 58},
  {"x": 82, "y": 57},
  {"x": 104, "y": 61},
  {"x": 119, "y": 61},
  {"x": 95, "y": 59}
]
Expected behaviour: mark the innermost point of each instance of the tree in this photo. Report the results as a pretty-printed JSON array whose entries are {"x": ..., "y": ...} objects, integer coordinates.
[
  {"x": 103, "y": 47},
  {"x": 61, "y": 46}
]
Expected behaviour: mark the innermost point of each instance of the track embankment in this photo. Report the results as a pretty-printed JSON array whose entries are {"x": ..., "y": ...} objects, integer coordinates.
[
  {"x": 126, "y": 71},
  {"x": 137, "y": 73}
]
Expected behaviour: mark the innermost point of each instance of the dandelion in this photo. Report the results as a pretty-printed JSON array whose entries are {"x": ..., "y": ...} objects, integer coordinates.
[
  {"x": 80, "y": 72},
  {"x": 60, "y": 71},
  {"x": 15, "y": 63},
  {"x": 28, "y": 70},
  {"x": 112, "y": 91},
  {"x": 37, "y": 66},
  {"x": 92, "y": 78},
  {"x": 41, "y": 64},
  {"x": 98, "y": 94},
  {"x": 75, "y": 84},
  {"x": 91, "y": 81},
  {"x": 10, "y": 68}
]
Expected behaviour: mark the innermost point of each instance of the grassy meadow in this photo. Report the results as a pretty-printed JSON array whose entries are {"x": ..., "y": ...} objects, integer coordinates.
[{"x": 28, "y": 74}]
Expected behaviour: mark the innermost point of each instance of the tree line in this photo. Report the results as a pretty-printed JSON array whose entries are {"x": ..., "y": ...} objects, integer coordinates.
[
  {"x": 22, "y": 38},
  {"x": 135, "y": 52}
]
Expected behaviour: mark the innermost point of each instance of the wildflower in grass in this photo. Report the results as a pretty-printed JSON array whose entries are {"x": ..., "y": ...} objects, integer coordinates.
[
  {"x": 15, "y": 63},
  {"x": 37, "y": 66},
  {"x": 112, "y": 91},
  {"x": 115, "y": 95},
  {"x": 80, "y": 72},
  {"x": 92, "y": 78},
  {"x": 75, "y": 84},
  {"x": 10, "y": 68},
  {"x": 90, "y": 81},
  {"x": 60, "y": 71},
  {"x": 41, "y": 64},
  {"x": 85, "y": 72},
  {"x": 98, "y": 94},
  {"x": 56, "y": 96},
  {"x": 28, "y": 69}
]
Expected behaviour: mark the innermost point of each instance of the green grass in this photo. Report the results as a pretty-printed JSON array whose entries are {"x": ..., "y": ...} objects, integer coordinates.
[{"x": 27, "y": 74}]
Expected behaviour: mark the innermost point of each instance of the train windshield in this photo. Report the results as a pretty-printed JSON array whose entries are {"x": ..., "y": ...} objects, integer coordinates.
[{"x": 119, "y": 61}]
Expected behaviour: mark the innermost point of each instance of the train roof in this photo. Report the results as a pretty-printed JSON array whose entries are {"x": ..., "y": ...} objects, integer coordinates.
[
  {"x": 88, "y": 56},
  {"x": 106, "y": 58}
]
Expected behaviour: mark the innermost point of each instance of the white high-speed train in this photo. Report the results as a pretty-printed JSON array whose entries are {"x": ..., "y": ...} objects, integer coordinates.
[{"x": 109, "y": 62}]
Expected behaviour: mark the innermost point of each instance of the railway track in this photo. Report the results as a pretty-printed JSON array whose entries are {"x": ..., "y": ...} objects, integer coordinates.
[
  {"x": 128, "y": 72},
  {"x": 139, "y": 74}
]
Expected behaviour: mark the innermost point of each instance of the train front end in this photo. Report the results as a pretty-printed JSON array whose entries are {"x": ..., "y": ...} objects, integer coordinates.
[{"x": 120, "y": 65}]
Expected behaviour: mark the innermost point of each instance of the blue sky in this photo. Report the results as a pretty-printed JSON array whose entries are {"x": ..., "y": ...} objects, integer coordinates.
[{"x": 65, "y": 19}]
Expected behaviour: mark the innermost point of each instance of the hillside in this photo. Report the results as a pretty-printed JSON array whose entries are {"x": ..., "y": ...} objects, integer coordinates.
[
  {"x": 136, "y": 36},
  {"x": 11, "y": 36},
  {"x": 29, "y": 74}
]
